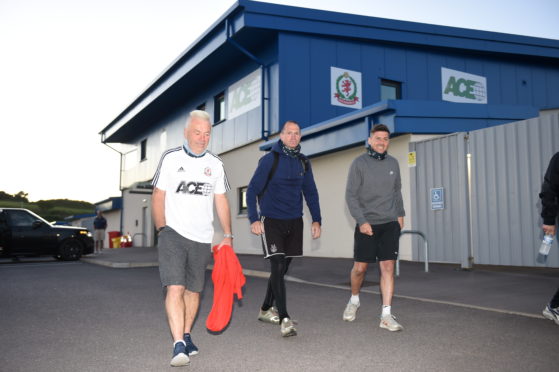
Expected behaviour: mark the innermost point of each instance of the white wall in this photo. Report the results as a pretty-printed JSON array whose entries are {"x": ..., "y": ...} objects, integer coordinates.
[
  {"x": 135, "y": 221},
  {"x": 113, "y": 224}
]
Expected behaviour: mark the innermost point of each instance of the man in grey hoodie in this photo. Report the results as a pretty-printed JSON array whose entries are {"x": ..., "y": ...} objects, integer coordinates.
[{"x": 374, "y": 199}]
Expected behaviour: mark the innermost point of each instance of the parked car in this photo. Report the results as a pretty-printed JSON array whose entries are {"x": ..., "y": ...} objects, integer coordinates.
[{"x": 23, "y": 233}]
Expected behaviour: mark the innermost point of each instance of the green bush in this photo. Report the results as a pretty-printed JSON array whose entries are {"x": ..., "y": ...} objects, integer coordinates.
[{"x": 50, "y": 210}]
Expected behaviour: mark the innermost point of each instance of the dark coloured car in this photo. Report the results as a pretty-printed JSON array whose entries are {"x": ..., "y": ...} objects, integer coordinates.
[{"x": 23, "y": 233}]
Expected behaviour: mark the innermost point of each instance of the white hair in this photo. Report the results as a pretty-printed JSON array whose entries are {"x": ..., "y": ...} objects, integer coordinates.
[{"x": 199, "y": 114}]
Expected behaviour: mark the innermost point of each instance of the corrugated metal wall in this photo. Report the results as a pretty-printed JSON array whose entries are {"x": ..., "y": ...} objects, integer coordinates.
[
  {"x": 507, "y": 167},
  {"x": 440, "y": 163},
  {"x": 508, "y": 164}
]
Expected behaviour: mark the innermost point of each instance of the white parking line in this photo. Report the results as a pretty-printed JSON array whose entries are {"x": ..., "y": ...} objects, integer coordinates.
[
  {"x": 22, "y": 265},
  {"x": 262, "y": 274}
]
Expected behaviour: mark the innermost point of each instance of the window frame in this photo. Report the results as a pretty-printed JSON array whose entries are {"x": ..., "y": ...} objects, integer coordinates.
[
  {"x": 242, "y": 204},
  {"x": 391, "y": 84},
  {"x": 144, "y": 150},
  {"x": 219, "y": 103}
]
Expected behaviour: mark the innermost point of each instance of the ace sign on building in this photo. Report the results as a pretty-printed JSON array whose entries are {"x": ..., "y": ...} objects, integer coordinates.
[
  {"x": 461, "y": 87},
  {"x": 345, "y": 88}
]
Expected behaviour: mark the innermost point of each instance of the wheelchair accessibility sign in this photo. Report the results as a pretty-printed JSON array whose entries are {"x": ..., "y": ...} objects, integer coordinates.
[{"x": 437, "y": 198}]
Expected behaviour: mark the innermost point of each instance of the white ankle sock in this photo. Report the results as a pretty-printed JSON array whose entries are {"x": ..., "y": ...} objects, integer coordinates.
[
  {"x": 354, "y": 299},
  {"x": 386, "y": 310},
  {"x": 179, "y": 341}
]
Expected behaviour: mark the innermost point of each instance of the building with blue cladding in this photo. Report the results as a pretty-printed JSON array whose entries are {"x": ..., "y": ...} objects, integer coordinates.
[{"x": 336, "y": 74}]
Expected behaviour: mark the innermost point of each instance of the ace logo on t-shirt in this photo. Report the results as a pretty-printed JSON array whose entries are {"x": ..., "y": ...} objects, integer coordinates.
[{"x": 195, "y": 188}]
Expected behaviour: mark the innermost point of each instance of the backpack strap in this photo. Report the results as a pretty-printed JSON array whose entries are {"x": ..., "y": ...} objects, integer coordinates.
[
  {"x": 302, "y": 158},
  {"x": 304, "y": 162},
  {"x": 270, "y": 175}
]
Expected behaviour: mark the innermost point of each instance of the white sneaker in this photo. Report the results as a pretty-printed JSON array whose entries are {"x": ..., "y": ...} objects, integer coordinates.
[
  {"x": 269, "y": 316},
  {"x": 288, "y": 328},
  {"x": 350, "y": 312},
  {"x": 551, "y": 314},
  {"x": 389, "y": 322}
]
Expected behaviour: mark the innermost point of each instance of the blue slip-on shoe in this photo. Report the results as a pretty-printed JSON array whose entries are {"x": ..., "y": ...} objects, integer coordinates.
[{"x": 191, "y": 349}]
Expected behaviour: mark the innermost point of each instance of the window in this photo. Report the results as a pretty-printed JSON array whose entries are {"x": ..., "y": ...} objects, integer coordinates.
[
  {"x": 243, "y": 208},
  {"x": 21, "y": 218},
  {"x": 143, "y": 150},
  {"x": 390, "y": 89},
  {"x": 201, "y": 107},
  {"x": 219, "y": 107}
]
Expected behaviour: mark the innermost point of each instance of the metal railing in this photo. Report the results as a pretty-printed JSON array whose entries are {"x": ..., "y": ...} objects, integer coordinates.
[{"x": 426, "y": 249}]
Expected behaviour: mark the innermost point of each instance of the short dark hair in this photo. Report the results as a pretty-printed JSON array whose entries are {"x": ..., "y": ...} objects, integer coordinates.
[
  {"x": 288, "y": 122},
  {"x": 380, "y": 128}
]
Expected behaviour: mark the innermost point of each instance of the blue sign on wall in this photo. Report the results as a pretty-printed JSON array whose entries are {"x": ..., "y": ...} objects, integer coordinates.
[{"x": 437, "y": 198}]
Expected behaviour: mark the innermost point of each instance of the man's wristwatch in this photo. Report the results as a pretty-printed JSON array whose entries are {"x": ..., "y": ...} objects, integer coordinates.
[{"x": 228, "y": 236}]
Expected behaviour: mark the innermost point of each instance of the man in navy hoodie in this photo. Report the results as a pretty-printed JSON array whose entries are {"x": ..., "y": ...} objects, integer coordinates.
[{"x": 278, "y": 185}]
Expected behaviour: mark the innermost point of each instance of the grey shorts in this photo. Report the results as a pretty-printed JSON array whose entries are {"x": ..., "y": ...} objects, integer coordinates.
[
  {"x": 182, "y": 261},
  {"x": 98, "y": 234}
]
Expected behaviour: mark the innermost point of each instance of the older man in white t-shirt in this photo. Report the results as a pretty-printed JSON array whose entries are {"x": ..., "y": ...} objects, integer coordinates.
[{"x": 188, "y": 180}]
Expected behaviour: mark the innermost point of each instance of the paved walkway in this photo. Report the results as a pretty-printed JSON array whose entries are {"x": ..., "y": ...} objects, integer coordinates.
[{"x": 515, "y": 290}]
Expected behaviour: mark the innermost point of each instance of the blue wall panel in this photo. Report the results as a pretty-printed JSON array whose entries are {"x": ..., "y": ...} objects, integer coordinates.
[
  {"x": 523, "y": 79},
  {"x": 295, "y": 87},
  {"x": 372, "y": 68},
  {"x": 434, "y": 63},
  {"x": 395, "y": 63},
  {"x": 539, "y": 87},
  {"x": 417, "y": 83},
  {"x": 552, "y": 89},
  {"x": 323, "y": 55},
  {"x": 507, "y": 84},
  {"x": 491, "y": 71},
  {"x": 305, "y": 62}
]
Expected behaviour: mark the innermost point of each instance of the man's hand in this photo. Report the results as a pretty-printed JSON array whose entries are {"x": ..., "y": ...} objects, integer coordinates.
[
  {"x": 257, "y": 228},
  {"x": 315, "y": 230},
  {"x": 366, "y": 229},
  {"x": 225, "y": 241},
  {"x": 548, "y": 229}
]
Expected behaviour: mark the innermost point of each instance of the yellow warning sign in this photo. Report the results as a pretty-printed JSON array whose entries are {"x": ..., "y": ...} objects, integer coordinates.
[{"x": 411, "y": 159}]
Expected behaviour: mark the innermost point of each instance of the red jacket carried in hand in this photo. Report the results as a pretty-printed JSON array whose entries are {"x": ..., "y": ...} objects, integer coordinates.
[{"x": 228, "y": 279}]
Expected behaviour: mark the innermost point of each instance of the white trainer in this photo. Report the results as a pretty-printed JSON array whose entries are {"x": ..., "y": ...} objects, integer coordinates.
[
  {"x": 551, "y": 314},
  {"x": 288, "y": 328},
  {"x": 350, "y": 312},
  {"x": 389, "y": 322}
]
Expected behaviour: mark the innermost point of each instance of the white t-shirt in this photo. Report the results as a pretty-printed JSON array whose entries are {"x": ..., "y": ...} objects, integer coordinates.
[{"x": 190, "y": 184}]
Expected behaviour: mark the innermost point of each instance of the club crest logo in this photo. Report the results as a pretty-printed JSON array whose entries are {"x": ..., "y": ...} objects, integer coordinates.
[
  {"x": 273, "y": 248},
  {"x": 208, "y": 171},
  {"x": 346, "y": 90}
]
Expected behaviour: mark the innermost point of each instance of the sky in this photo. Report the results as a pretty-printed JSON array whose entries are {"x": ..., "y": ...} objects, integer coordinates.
[{"x": 69, "y": 67}]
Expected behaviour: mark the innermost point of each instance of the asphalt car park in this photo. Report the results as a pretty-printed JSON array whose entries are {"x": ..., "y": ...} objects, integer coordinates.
[{"x": 70, "y": 316}]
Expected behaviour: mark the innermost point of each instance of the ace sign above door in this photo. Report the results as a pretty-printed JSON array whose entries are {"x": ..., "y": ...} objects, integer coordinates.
[{"x": 345, "y": 88}]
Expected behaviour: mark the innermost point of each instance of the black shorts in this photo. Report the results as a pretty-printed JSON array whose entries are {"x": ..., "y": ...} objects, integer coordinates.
[
  {"x": 282, "y": 237},
  {"x": 383, "y": 245}
]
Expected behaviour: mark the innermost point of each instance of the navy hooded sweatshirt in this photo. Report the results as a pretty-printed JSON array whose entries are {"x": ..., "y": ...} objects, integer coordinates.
[{"x": 283, "y": 198}]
